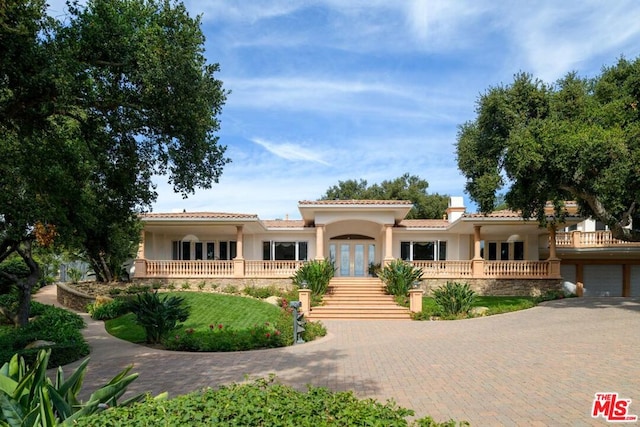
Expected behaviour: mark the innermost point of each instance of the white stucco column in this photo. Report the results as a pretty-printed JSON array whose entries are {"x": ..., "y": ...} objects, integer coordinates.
[
  {"x": 476, "y": 242},
  {"x": 388, "y": 242},
  {"x": 319, "y": 241},
  {"x": 239, "y": 241}
]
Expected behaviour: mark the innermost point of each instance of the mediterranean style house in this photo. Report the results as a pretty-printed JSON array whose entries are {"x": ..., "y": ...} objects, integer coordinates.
[{"x": 497, "y": 254}]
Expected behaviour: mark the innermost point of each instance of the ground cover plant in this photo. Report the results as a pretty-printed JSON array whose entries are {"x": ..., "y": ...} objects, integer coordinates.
[
  {"x": 219, "y": 322},
  {"x": 494, "y": 304},
  {"x": 48, "y": 323},
  {"x": 263, "y": 402}
]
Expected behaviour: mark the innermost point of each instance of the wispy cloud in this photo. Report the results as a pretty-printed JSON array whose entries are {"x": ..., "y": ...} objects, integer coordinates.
[{"x": 290, "y": 151}]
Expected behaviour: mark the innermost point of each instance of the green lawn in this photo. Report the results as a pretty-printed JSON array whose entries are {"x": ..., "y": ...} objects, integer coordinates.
[{"x": 206, "y": 309}]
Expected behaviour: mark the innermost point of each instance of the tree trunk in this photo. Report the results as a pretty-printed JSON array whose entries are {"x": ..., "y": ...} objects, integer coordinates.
[{"x": 25, "y": 286}]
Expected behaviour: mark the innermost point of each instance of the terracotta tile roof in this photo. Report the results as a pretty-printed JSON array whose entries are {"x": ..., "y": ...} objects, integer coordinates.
[
  {"x": 197, "y": 215},
  {"x": 355, "y": 202},
  {"x": 424, "y": 223},
  {"x": 282, "y": 223},
  {"x": 505, "y": 213}
]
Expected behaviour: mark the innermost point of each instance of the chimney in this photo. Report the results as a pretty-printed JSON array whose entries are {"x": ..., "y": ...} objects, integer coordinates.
[{"x": 456, "y": 208}]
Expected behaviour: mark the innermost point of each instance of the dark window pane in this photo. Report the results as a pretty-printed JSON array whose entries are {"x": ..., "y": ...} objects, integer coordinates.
[
  {"x": 442, "y": 254},
  {"x": 302, "y": 251},
  {"x": 424, "y": 251},
  {"x": 175, "y": 250},
  {"x": 266, "y": 251},
  {"x": 198, "y": 250},
  {"x": 285, "y": 251},
  {"x": 223, "y": 250},
  {"x": 186, "y": 250},
  {"x": 518, "y": 251},
  {"x": 404, "y": 250},
  {"x": 233, "y": 249},
  {"x": 504, "y": 250},
  {"x": 493, "y": 249},
  {"x": 211, "y": 250}
]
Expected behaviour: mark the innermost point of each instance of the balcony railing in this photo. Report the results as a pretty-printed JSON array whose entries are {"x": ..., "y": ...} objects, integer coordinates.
[
  {"x": 516, "y": 269},
  {"x": 281, "y": 269},
  {"x": 444, "y": 268},
  {"x": 185, "y": 269},
  {"x": 271, "y": 268},
  {"x": 591, "y": 239}
]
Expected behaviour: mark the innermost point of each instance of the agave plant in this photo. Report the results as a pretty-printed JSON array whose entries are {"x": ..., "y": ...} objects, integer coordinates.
[
  {"x": 316, "y": 274},
  {"x": 28, "y": 397},
  {"x": 399, "y": 276}
]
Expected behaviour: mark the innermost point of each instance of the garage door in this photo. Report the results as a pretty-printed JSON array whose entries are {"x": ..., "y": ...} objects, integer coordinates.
[
  {"x": 568, "y": 273},
  {"x": 603, "y": 280},
  {"x": 635, "y": 281}
]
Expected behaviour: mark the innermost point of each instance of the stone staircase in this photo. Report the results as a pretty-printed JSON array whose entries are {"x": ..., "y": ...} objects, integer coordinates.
[{"x": 358, "y": 298}]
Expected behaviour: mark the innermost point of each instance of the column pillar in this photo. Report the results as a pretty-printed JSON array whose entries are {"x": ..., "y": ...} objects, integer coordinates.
[
  {"x": 140, "y": 254},
  {"x": 304, "y": 296},
  {"x": 239, "y": 241},
  {"x": 477, "y": 263},
  {"x": 388, "y": 243},
  {"x": 552, "y": 242},
  {"x": 320, "y": 241}
]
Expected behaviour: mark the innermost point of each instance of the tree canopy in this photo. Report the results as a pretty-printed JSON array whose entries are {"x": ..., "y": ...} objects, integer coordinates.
[
  {"x": 577, "y": 139},
  {"x": 406, "y": 187},
  {"x": 91, "y": 108}
]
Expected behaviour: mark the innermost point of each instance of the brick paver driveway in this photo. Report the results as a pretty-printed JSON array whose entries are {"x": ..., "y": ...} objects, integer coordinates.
[{"x": 535, "y": 367}]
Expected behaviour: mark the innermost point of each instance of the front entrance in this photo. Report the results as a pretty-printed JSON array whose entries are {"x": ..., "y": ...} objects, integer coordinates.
[{"x": 352, "y": 258}]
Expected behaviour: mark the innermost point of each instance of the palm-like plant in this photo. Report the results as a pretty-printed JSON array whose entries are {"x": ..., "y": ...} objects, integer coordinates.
[
  {"x": 316, "y": 274},
  {"x": 399, "y": 276},
  {"x": 159, "y": 316},
  {"x": 28, "y": 397}
]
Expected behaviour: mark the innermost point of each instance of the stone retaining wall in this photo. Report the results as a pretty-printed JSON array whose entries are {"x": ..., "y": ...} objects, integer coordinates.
[
  {"x": 284, "y": 283},
  {"x": 73, "y": 299},
  {"x": 500, "y": 287}
]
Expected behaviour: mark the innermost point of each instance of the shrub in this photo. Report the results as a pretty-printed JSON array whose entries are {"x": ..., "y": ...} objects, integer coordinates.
[
  {"x": 262, "y": 292},
  {"x": 75, "y": 274},
  {"x": 49, "y": 324},
  {"x": 262, "y": 402},
  {"x": 317, "y": 274},
  {"x": 158, "y": 316},
  {"x": 185, "y": 286},
  {"x": 201, "y": 285},
  {"x": 454, "y": 298},
  {"x": 399, "y": 276},
  {"x": 109, "y": 310},
  {"x": 230, "y": 289}
]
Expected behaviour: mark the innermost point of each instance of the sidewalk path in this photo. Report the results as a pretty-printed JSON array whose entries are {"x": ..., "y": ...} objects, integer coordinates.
[{"x": 538, "y": 367}]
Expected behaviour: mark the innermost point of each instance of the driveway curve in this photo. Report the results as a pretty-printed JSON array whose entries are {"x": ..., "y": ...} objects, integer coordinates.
[{"x": 538, "y": 367}]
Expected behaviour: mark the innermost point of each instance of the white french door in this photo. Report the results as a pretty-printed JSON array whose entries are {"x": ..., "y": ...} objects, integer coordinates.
[{"x": 352, "y": 258}]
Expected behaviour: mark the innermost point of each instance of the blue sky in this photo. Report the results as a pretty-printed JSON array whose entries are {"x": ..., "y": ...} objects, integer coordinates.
[{"x": 330, "y": 90}]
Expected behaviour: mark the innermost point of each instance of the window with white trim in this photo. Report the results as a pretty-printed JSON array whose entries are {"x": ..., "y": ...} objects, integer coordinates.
[
  {"x": 435, "y": 250},
  {"x": 286, "y": 251},
  {"x": 504, "y": 251}
]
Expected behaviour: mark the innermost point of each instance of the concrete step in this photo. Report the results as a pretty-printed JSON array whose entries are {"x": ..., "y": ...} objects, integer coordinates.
[{"x": 358, "y": 298}]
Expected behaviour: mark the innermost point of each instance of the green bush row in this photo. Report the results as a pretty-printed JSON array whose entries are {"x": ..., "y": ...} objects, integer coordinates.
[
  {"x": 261, "y": 403},
  {"x": 49, "y": 324}
]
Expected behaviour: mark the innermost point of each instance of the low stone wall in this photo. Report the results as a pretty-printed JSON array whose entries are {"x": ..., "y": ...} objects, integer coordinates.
[
  {"x": 217, "y": 283},
  {"x": 73, "y": 299},
  {"x": 500, "y": 287}
]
